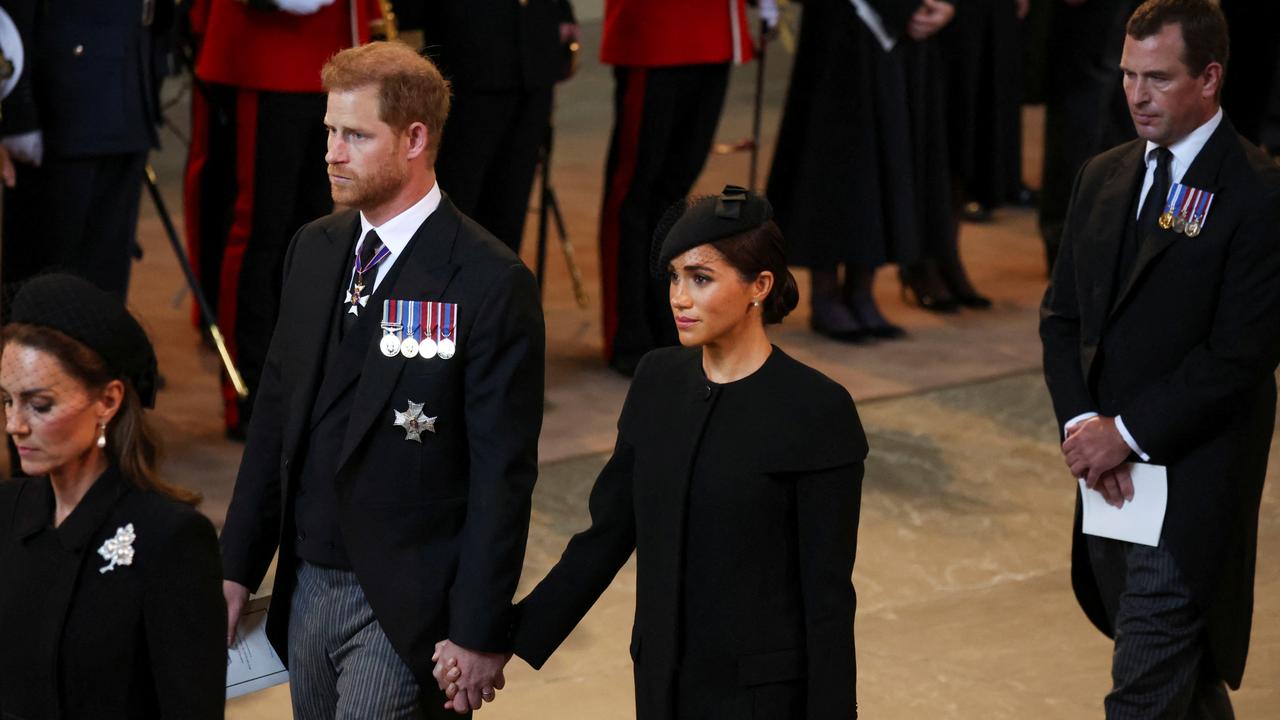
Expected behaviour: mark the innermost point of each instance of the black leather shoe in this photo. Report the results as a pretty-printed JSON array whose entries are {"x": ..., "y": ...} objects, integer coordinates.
[{"x": 833, "y": 320}]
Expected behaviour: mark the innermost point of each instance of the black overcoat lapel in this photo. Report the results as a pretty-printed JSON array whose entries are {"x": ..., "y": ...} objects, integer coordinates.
[
  {"x": 1107, "y": 224},
  {"x": 1203, "y": 174},
  {"x": 321, "y": 267},
  {"x": 425, "y": 275}
]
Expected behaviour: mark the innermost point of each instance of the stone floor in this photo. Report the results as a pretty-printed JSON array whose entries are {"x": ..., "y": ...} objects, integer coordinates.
[{"x": 965, "y": 607}]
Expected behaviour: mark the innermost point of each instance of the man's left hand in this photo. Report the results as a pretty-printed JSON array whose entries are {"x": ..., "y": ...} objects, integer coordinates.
[{"x": 1093, "y": 447}]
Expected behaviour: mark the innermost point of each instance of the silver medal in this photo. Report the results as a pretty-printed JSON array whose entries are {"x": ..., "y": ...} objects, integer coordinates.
[
  {"x": 390, "y": 345},
  {"x": 409, "y": 347},
  {"x": 446, "y": 349},
  {"x": 427, "y": 349}
]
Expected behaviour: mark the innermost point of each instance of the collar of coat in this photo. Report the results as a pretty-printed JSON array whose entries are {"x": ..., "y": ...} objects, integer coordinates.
[{"x": 35, "y": 506}]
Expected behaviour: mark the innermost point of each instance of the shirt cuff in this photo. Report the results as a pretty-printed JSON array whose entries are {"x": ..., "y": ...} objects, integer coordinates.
[
  {"x": 1128, "y": 440},
  {"x": 1077, "y": 420}
]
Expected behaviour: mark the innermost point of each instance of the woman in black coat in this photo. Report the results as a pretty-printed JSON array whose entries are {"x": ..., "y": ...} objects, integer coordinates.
[
  {"x": 736, "y": 479},
  {"x": 110, "y": 581}
]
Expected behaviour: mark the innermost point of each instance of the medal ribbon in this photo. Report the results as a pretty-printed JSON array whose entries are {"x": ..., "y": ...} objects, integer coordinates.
[
  {"x": 378, "y": 257},
  {"x": 1185, "y": 206},
  {"x": 1203, "y": 212},
  {"x": 450, "y": 319},
  {"x": 410, "y": 326},
  {"x": 1171, "y": 201}
]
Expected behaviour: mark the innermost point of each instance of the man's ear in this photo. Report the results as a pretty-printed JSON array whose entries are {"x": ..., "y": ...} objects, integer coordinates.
[
  {"x": 419, "y": 137},
  {"x": 1212, "y": 80}
]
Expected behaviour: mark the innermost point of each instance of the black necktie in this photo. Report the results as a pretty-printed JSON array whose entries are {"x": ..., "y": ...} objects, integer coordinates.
[
  {"x": 1157, "y": 196},
  {"x": 365, "y": 272}
]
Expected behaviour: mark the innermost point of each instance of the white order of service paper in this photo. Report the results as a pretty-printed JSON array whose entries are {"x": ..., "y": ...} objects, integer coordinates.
[
  {"x": 1141, "y": 518},
  {"x": 252, "y": 664}
]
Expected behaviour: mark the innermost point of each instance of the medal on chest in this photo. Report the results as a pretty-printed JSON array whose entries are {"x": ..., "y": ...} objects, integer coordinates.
[{"x": 414, "y": 421}]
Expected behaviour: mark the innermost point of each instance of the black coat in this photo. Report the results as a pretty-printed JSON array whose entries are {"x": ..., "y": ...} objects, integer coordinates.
[
  {"x": 1184, "y": 350},
  {"x": 741, "y": 502},
  {"x": 489, "y": 45},
  {"x": 92, "y": 75},
  {"x": 434, "y": 531},
  {"x": 141, "y": 640}
]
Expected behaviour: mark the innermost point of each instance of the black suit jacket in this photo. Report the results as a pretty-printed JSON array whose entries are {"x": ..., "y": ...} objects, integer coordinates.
[
  {"x": 92, "y": 75},
  {"x": 488, "y": 45},
  {"x": 142, "y": 640},
  {"x": 435, "y": 531},
  {"x": 1184, "y": 349},
  {"x": 769, "y": 481}
]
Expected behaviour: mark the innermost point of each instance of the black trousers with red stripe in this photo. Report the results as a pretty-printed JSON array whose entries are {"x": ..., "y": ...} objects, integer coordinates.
[
  {"x": 256, "y": 174},
  {"x": 664, "y": 124}
]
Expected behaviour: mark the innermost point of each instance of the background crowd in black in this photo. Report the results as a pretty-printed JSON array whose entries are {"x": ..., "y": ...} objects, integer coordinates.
[{"x": 880, "y": 155}]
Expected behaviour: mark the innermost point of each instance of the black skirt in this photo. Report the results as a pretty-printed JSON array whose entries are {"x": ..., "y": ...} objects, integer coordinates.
[{"x": 861, "y": 174}]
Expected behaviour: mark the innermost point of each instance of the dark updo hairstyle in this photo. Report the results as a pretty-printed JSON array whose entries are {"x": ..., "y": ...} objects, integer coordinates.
[
  {"x": 132, "y": 443},
  {"x": 759, "y": 250}
]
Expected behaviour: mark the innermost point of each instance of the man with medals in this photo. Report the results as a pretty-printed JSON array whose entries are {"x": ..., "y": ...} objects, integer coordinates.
[
  {"x": 1160, "y": 344},
  {"x": 393, "y": 449}
]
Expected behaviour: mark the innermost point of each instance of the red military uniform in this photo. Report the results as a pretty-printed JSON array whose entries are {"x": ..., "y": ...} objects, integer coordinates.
[
  {"x": 271, "y": 49},
  {"x": 656, "y": 33},
  {"x": 671, "y": 63},
  {"x": 256, "y": 168}
]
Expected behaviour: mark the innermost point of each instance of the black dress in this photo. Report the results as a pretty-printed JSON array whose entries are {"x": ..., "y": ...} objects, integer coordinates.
[
  {"x": 861, "y": 174},
  {"x": 741, "y": 502},
  {"x": 982, "y": 49},
  {"x": 139, "y": 640}
]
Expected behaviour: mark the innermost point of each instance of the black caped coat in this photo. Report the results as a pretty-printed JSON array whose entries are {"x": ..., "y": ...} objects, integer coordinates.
[{"x": 741, "y": 502}]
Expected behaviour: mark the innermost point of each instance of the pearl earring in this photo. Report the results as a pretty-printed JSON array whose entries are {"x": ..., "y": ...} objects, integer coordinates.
[
  {"x": 102, "y": 435},
  {"x": 755, "y": 303}
]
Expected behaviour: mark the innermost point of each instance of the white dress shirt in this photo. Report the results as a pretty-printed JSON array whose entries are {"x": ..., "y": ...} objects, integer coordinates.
[{"x": 397, "y": 232}]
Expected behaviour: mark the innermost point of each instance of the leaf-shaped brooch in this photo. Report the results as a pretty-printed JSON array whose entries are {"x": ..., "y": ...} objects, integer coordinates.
[{"x": 118, "y": 550}]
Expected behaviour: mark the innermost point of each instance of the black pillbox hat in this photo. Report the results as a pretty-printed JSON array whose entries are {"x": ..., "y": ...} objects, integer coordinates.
[
  {"x": 80, "y": 310},
  {"x": 690, "y": 223}
]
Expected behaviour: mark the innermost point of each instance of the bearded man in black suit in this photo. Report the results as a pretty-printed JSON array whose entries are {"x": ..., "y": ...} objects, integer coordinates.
[
  {"x": 1160, "y": 343},
  {"x": 392, "y": 469}
]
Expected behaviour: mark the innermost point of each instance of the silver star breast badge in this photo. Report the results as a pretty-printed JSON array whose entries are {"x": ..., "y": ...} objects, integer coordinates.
[
  {"x": 414, "y": 421},
  {"x": 119, "y": 549}
]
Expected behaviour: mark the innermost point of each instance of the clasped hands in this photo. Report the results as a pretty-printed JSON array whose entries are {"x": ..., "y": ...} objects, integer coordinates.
[
  {"x": 468, "y": 678},
  {"x": 1095, "y": 450}
]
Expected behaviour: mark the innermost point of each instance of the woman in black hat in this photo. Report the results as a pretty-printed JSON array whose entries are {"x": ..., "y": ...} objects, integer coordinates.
[
  {"x": 736, "y": 479},
  {"x": 110, "y": 581}
]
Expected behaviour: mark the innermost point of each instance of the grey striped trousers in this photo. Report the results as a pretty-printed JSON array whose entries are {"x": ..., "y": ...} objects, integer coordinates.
[
  {"x": 1161, "y": 669},
  {"x": 341, "y": 665}
]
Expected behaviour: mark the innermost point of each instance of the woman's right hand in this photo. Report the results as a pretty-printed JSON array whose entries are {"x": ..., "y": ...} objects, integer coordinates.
[{"x": 236, "y": 596}]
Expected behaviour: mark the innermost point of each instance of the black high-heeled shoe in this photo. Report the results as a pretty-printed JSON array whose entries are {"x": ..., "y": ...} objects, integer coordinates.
[
  {"x": 927, "y": 292},
  {"x": 957, "y": 282}
]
